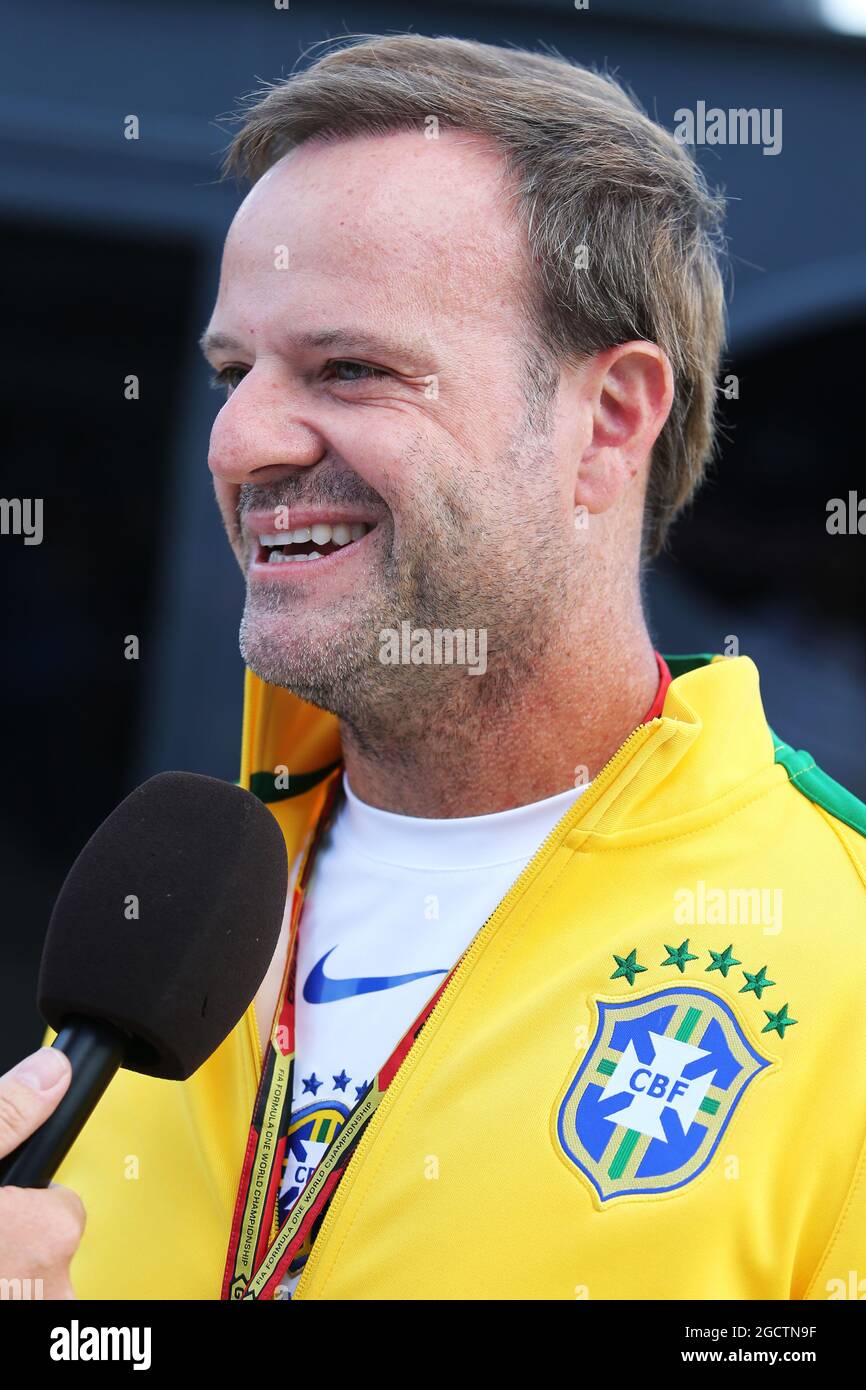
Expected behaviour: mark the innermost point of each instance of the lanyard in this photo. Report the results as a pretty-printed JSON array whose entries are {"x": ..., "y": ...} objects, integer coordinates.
[{"x": 260, "y": 1252}]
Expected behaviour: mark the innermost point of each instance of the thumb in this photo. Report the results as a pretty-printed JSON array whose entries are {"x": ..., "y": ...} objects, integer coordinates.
[{"x": 29, "y": 1093}]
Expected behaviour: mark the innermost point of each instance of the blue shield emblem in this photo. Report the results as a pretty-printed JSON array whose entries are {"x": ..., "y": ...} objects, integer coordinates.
[{"x": 655, "y": 1092}]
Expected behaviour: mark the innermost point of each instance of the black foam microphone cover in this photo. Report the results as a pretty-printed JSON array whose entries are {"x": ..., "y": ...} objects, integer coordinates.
[{"x": 167, "y": 921}]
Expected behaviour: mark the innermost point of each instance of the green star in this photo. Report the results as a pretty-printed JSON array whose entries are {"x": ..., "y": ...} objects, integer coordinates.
[
  {"x": 628, "y": 968},
  {"x": 757, "y": 982},
  {"x": 678, "y": 955},
  {"x": 779, "y": 1021},
  {"x": 723, "y": 960}
]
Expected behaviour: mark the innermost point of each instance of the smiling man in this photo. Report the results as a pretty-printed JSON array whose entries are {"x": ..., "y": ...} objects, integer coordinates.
[{"x": 527, "y": 1033}]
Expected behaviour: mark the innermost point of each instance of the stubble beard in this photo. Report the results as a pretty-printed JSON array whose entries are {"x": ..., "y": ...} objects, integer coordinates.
[{"x": 466, "y": 565}]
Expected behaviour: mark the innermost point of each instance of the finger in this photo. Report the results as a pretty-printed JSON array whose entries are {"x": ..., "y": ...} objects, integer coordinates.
[
  {"x": 71, "y": 1205},
  {"x": 29, "y": 1093},
  {"x": 51, "y": 1218}
]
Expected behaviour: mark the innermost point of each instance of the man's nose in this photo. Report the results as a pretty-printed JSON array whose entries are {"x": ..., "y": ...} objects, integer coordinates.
[{"x": 262, "y": 427}]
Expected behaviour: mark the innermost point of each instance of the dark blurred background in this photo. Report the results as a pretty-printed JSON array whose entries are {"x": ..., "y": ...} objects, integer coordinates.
[{"x": 110, "y": 252}]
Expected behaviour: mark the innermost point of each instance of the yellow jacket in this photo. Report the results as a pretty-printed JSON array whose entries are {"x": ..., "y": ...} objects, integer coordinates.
[{"x": 646, "y": 1079}]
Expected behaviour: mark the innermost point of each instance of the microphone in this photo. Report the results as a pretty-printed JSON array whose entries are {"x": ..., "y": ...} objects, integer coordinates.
[{"x": 162, "y": 933}]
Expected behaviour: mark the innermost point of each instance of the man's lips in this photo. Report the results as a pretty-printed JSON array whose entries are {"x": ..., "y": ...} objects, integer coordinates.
[{"x": 286, "y": 543}]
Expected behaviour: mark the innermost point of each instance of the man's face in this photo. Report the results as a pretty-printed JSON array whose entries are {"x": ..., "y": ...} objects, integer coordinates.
[{"x": 370, "y": 290}]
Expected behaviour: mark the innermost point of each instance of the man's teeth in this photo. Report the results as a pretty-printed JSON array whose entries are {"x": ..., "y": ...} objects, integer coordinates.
[
  {"x": 277, "y": 557},
  {"x": 320, "y": 534}
]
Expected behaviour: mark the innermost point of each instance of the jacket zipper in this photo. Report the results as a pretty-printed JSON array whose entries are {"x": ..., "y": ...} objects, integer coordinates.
[{"x": 641, "y": 734}]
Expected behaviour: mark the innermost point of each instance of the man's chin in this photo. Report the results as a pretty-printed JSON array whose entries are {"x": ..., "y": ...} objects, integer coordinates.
[
  {"x": 321, "y": 672},
  {"x": 280, "y": 663}
]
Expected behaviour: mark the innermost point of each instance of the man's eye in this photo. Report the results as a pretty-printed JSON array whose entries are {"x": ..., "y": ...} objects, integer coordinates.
[
  {"x": 354, "y": 371},
  {"x": 228, "y": 378}
]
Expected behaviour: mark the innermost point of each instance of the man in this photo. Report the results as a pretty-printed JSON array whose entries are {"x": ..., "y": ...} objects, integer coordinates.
[{"x": 573, "y": 957}]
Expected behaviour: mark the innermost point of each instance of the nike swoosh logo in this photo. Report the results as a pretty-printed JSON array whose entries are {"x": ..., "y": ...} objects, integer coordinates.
[{"x": 319, "y": 988}]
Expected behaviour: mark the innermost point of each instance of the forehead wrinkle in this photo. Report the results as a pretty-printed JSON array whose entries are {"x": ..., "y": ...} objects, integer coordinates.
[{"x": 454, "y": 229}]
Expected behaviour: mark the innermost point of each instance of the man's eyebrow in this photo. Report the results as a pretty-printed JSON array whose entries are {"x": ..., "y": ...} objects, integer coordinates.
[
  {"x": 344, "y": 339},
  {"x": 218, "y": 342},
  {"x": 360, "y": 340}
]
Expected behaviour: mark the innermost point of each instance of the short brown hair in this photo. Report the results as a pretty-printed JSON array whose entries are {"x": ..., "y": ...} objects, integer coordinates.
[{"x": 592, "y": 171}]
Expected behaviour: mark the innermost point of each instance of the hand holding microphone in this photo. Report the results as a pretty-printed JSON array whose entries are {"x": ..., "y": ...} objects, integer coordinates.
[
  {"x": 40, "y": 1229},
  {"x": 159, "y": 939}
]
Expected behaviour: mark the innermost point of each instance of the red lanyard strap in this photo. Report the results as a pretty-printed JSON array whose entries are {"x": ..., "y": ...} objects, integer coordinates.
[
  {"x": 258, "y": 1254},
  {"x": 329, "y": 1172}
]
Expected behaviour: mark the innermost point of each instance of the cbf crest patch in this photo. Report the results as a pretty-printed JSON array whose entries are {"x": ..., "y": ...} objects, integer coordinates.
[{"x": 655, "y": 1091}]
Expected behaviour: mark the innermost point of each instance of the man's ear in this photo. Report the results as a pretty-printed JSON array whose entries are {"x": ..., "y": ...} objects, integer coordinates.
[{"x": 630, "y": 389}]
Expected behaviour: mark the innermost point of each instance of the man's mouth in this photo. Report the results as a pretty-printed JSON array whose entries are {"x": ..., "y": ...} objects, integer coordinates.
[
  {"x": 303, "y": 540},
  {"x": 306, "y": 543}
]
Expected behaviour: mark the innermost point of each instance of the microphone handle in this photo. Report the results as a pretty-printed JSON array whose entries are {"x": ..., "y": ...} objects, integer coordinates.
[{"x": 96, "y": 1050}]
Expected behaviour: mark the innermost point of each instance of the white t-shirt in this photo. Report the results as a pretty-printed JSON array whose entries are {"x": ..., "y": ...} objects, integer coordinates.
[{"x": 392, "y": 903}]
